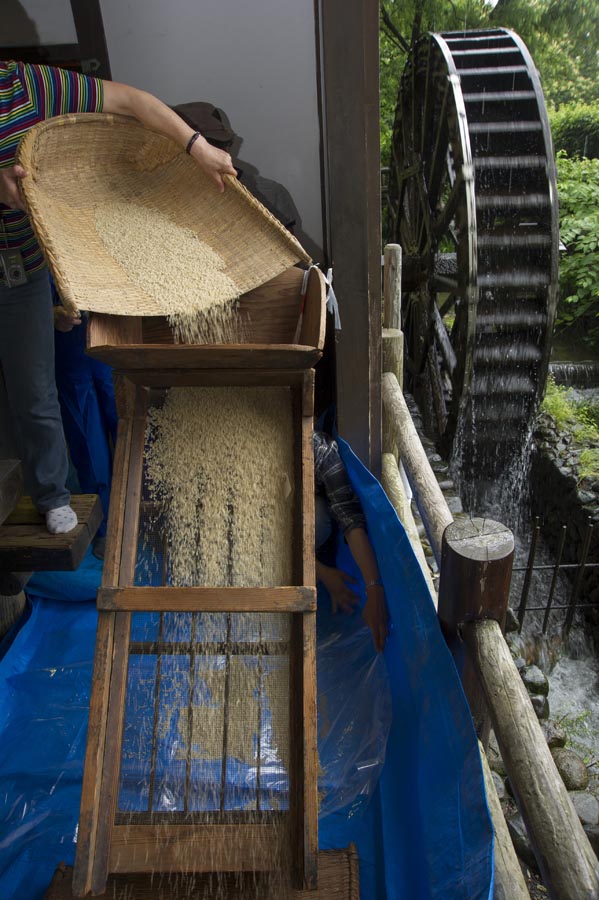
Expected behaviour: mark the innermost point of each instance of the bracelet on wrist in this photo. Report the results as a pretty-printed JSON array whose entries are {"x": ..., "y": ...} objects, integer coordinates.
[
  {"x": 376, "y": 583},
  {"x": 192, "y": 141}
]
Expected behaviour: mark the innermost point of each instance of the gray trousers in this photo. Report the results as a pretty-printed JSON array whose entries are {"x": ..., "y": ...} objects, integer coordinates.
[{"x": 27, "y": 359}]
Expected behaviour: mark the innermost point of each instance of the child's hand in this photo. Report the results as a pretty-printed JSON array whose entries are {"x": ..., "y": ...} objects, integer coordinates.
[
  {"x": 64, "y": 321},
  {"x": 338, "y": 584},
  {"x": 375, "y": 615}
]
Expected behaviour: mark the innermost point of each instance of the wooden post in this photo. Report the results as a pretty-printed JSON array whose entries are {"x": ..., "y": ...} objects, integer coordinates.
[
  {"x": 401, "y": 432},
  {"x": 476, "y": 570},
  {"x": 393, "y": 353},
  {"x": 392, "y": 287},
  {"x": 568, "y": 865},
  {"x": 393, "y": 340}
]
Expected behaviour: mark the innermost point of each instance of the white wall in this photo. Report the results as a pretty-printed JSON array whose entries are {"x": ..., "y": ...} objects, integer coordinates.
[
  {"x": 53, "y": 20},
  {"x": 259, "y": 67}
]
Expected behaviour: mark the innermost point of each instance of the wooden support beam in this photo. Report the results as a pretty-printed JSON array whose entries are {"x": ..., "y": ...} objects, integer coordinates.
[
  {"x": 568, "y": 865},
  {"x": 429, "y": 496}
]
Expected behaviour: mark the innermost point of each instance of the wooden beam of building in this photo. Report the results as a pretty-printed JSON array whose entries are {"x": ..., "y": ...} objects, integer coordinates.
[{"x": 349, "y": 31}]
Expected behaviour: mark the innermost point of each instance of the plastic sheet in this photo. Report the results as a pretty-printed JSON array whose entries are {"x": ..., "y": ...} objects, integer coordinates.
[
  {"x": 424, "y": 833},
  {"x": 354, "y": 711}
]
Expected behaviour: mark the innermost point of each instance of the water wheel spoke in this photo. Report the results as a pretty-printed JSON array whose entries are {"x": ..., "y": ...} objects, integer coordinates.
[{"x": 446, "y": 214}]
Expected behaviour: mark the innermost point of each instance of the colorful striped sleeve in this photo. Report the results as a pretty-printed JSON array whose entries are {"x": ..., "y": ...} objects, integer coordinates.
[{"x": 59, "y": 91}]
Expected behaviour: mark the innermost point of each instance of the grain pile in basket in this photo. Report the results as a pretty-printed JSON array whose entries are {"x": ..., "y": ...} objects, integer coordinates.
[{"x": 130, "y": 225}]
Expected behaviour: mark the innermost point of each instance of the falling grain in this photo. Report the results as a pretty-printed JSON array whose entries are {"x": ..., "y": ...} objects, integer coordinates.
[{"x": 172, "y": 265}]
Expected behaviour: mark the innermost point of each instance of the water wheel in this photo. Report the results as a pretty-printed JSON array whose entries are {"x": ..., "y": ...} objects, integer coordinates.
[{"x": 473, "y": 203}]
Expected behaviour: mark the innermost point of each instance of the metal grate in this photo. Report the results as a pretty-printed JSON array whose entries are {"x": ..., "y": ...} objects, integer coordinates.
[{"x": 530, "y": 598}]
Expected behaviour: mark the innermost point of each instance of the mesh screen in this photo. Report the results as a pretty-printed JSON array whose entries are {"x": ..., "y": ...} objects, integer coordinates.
[{"x": 206, "y": 726}]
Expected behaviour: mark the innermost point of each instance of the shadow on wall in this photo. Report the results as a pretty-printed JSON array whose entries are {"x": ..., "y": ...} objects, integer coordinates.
[
  {"x": 216, "y": 128},
  {"x": 18, "y": 28}
]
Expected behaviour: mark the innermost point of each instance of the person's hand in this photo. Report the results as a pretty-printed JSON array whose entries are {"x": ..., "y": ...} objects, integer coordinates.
[
  {"x": 10, "y": 191},
  {"x": 375, "y": 615},
  {"x": 338, "y": 584},
  {"x": 63, "y": 320},
  {"x": 214, "y": 162}
]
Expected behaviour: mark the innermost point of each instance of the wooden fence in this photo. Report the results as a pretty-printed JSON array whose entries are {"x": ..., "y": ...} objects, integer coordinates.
[{"x": 475, "y": 560}]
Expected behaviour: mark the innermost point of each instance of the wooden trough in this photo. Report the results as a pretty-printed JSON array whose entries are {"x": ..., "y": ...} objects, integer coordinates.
[{"x": 155, "y": 853}]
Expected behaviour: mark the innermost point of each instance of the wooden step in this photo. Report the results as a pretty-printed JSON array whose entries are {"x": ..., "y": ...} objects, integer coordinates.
[
  {"x": 27, "y": 546},
  {"x": 11, "y": 486},
  {"x": 338, "y": 879}
]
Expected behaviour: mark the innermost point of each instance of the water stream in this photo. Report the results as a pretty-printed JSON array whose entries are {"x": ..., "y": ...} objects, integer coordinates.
[{"x": 570, "y": 664}]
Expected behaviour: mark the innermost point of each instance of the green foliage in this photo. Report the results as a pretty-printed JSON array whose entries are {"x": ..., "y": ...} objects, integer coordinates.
[
  {"x": 588, "y": 464},
  {"x": 562, "y": 36},
  {"x": 578, "y": 188},
  {"x": 401, "y": 24},
  {"x": 575, "y": 129},
  {"x": 579, "y": 420},
  {"x": 559, "y": 404}
]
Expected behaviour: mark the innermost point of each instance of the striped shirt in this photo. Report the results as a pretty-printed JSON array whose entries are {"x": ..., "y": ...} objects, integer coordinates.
[
  {"x": 28, "y": 95},
  {"x": 332, "y": 480}
]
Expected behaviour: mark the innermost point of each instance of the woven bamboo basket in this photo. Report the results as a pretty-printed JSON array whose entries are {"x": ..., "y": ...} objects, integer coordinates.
[{"x": 77, "y": 163}]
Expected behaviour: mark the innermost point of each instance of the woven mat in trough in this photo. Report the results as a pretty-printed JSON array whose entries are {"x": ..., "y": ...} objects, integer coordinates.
[{"x": 77, "y": 163}]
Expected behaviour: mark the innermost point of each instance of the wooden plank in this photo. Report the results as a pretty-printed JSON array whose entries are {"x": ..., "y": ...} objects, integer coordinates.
[
  {"x": 303, "y": 760},
  {"x": 350, "y": 77},
  {"x": 108, "y": 793},
  {"x": 107, "y": 801},
  {"x": 134, "y": 486},
  {"x": 307, "y": 493},
  {"x": 11, "y": 486},
  {"x": 94, "y": 755},
  {"x": 118, "y": 492},
  {"x": 26, "y": 545},
  {"x": 103, "y": 329},
  {"x": 149, "y": 357},
  {"x": 270, "y": 313},
  {"x": 310, "y": 752},
  {"x": 314, "y": 321},
  {"x": 185, "y": 848},
  {"x": 100, "y": 691},
  {"x": 204, "y": 599},
  {"x": 303, "y": 768},
  {"x": 217, "y": 378},
  {"x": 25, "y": 513},
  {"x": 338, "y": 879}
]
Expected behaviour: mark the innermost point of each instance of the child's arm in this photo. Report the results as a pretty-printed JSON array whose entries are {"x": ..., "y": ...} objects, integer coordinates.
[{"x": 375, "y": 608}]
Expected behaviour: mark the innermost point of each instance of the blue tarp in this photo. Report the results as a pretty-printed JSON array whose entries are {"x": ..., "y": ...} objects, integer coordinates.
[{"x": 424, "y": 833}]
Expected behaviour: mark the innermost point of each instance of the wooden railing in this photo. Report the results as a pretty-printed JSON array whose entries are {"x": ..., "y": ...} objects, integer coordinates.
[{"x": 475, "y": 560}]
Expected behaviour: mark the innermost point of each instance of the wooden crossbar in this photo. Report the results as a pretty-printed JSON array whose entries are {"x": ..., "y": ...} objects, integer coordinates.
[{"x": 203, "y": 599}]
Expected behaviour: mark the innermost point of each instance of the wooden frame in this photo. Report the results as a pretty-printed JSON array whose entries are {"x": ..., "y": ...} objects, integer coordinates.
[{"x": 108, "y": 842}]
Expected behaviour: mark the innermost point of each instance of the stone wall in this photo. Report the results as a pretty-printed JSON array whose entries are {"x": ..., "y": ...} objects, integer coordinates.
[{"x": 559, "y": 496}]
